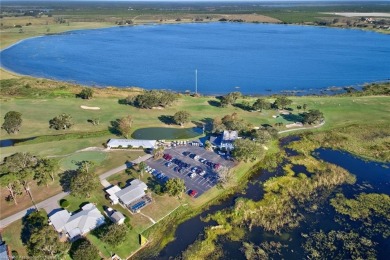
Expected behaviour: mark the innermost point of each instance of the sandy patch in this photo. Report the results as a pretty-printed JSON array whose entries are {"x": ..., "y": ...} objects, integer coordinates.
[
  {"x": 252, "y": 18},
  {"x": 296, "y": 124},
  {"x": 362, "y": 14},
  {"x": 90, "y": 108}
]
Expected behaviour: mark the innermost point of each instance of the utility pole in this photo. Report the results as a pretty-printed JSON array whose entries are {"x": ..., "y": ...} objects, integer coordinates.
[{"x": 196, "y": 81}]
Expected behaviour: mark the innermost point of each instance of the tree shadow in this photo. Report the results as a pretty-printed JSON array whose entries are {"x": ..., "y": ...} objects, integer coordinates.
[
  {"x": 168, "y": 120},
  {"x": 208, "y": 124},
  {"x": 292, "y": 117},
  {"x": 198, "y": 124},
  {"x": 214, "y": 103},
  {"x": 155, "y": 185},
  {"x": 65, "y": 179},
  {"x": 245, "y": 107},
  {"x": 113, "y": 128}
]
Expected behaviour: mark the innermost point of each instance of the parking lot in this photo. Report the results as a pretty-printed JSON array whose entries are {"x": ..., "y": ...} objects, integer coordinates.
[{"x": 203, "y": 177}]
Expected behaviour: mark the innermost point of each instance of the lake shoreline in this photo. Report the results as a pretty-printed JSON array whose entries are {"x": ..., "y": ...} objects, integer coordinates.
[{"x": 300, "y": 87}]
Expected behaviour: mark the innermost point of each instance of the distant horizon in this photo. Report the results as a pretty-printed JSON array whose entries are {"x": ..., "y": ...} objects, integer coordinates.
[{"x": 238, "y": 1}]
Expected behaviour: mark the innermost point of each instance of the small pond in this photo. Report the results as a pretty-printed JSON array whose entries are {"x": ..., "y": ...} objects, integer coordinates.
[
  {"x": 12, "y": 142},
  {"x": 164, "y": 133},
  {"x": 371, "y": 177}
]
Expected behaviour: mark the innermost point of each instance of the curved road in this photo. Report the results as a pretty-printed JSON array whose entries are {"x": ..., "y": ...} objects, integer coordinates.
[{"x": 51, "y": 203}]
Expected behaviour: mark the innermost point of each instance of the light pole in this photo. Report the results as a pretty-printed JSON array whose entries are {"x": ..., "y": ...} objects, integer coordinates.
[{"x": 196, "y": 81}]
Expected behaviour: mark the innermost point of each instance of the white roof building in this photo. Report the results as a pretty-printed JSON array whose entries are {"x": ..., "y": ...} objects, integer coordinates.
[
  {"x": 78, "y": 224},
  {"x": 135, "y": 191},
  {"x": 111, "y": 191},
  {"x": 228, "y": 137},
  {"x": 134, "y": 143}
]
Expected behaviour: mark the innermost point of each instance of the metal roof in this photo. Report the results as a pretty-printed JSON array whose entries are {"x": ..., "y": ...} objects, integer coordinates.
[
  {"x": 131, "y": 142},
  {"x": 135, "y": 191},
  {"x": 78, "y": 224}
]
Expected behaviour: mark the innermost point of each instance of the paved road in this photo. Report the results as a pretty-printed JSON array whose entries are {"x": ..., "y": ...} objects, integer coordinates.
[
  {"x": 49, "y": 205},
  {"x": 52, "y": 202}
]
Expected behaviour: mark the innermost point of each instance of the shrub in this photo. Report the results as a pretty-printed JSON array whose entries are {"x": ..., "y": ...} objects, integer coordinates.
[{"x": 64, "y": 203}]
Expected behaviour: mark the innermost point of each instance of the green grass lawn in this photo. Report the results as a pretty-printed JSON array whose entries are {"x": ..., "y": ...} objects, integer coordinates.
[
  {"x": 124, "y": 250},
  {"x": 37, "y": 113},
  {"x": 12, "y": 235},
  {"x": 71, "y": 162}
]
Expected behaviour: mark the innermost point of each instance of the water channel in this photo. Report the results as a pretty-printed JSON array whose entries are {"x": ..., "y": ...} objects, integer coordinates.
[{"x": 371, "y": 177}]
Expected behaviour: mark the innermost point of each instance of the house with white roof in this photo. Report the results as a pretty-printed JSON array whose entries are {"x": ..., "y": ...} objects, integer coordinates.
[
  {"x": 131, "y": 143},
  {"x": 225, "y": 140},
  {"x": 129, "y": 194},
  {"x": 78, "y": 224}
]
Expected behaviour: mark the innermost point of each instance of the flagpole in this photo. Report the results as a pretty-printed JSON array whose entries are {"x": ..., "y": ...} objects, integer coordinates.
[{"x": 196, "y": 81}]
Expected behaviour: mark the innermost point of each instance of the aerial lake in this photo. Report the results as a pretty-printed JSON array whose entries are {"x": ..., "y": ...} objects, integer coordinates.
[{"x": 250, "y": 58}]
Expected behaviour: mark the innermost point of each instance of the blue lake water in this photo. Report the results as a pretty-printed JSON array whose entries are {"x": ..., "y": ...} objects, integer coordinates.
[{"x": 251, "y": 58}]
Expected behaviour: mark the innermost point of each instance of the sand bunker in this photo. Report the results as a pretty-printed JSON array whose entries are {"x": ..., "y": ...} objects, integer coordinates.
[{"x": 90, "y": 108}]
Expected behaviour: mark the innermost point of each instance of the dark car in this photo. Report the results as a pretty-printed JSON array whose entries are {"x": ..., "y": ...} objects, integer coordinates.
[{"x": 186, "y": 153}]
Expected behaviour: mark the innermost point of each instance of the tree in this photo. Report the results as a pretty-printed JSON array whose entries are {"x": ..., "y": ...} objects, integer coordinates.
[
  {"x": 44, "y": 242},
  {"x": 142, "y": 167},
  {"x": 63, "y": 121},
  {"x": 181, "y": 117},
  {"x": 218, "y": 125},
  {"x": 313, "y": 116},
  {"x": 158, "y": 152},
  {"x": 86, "y": 93},
  {"x": 113, "y": 234},
  {"x": 224, "y": 175},
  {"x": 84, "y": 182},
  {"x": 13, "y": 185},
  {"x": 94, "y": 121},
  {"x": 47, "y": 168},
  {"x": 175, "y": 187},
  {"x": 12, "y": 122},
  {"x": 84, "y": 250},
  {"x": 230, "y": 98},
  {"x": 247, "y": 150},
  {"x": 208, "y": 146},
  {"x": 261, "y": 104},
  {"x": 299, "y": 107},
  {"x": 124, "y": 125},
  {"x": 22, "y": 165},
  {"x": 19, "y": 161},
  {"x": 152, "y": 98},
  {"x": 282, "y": 102},
  {"x": 304, "y": 107}
]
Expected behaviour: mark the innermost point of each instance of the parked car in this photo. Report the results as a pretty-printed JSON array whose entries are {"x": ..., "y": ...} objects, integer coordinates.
[
  {"x": 186, "y": 153},
  {"x": 217, "y": 166},
  {"x": 168, "y": 164},
  {"x": 192, "y": 175},
  {"x": 192, "y": 193},
  {"x": 192, "y": 156}
]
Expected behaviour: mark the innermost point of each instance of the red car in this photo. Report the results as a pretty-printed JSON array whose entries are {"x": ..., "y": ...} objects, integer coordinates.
[{"x": 192, "y": 193}]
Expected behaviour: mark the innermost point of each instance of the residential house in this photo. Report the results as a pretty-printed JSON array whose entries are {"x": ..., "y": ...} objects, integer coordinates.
[
  {"x": 130, "y": 195},
  {"x": 5, "y": 253},
  {"x": 76, "y": 225}
]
